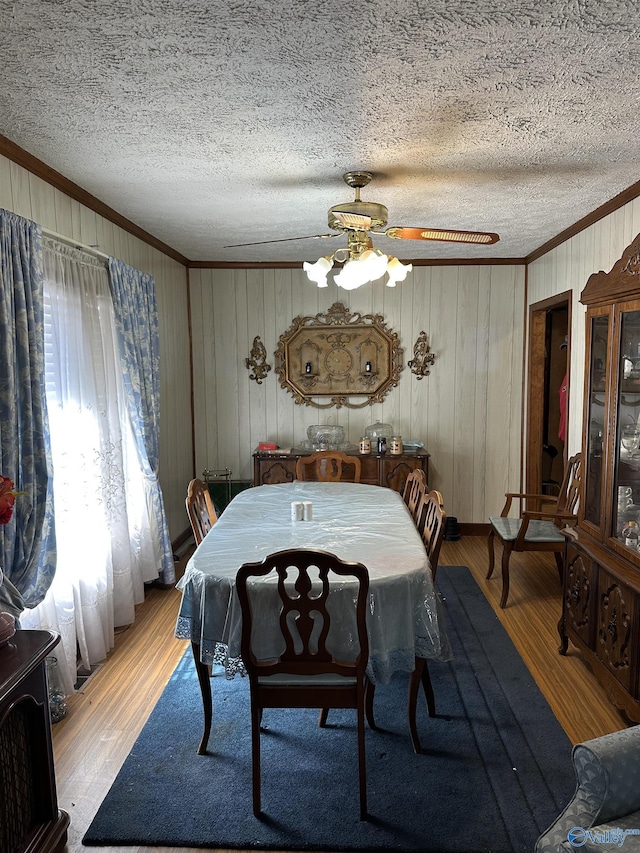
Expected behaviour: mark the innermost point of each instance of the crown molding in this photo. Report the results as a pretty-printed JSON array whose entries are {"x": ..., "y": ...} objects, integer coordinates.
[
  {"x": 23, "y": 158},
  {"x": 419, "y": 262},
  {"x": 37, "y": 167},
  {"x": 605, "y": 209}
]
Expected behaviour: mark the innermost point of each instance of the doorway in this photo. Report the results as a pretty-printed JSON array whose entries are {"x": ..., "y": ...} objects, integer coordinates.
[{"x": 547, "y": 393}]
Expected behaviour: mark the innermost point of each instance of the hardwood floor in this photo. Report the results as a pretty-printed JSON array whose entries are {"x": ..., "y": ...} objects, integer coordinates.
[{"x": 106, "y": 716}]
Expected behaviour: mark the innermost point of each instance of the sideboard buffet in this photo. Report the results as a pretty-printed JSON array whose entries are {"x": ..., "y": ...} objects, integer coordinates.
[
  {"x": 377, "y": 469},
  {"x": 601, "y": 590},
  {"x": 30, "y": 820}
]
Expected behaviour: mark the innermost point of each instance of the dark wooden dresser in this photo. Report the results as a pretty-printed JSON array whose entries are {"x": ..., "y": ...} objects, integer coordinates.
[
  {"x": 378, "y": 469},
  {"x": 30, "y": 821}
]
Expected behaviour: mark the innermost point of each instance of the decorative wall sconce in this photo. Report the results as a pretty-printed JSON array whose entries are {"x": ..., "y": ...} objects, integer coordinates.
[
  {"x": 257, "y": 361},
  {"x": 422, "y": 356}
]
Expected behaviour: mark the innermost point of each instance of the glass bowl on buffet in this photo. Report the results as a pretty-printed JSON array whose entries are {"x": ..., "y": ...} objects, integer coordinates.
[{"x": 326, "y": 437}]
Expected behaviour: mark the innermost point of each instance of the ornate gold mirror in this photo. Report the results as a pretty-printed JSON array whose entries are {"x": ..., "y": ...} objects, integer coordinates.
[{"x": 340, "y": 356}]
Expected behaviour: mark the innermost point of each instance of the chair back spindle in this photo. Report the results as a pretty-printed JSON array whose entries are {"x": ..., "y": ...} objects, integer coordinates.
[
  {"x": 570, "y": 488},
  {"x": 200, "y": 509},
  {"x": 415, "y": 487},
  {"x": 328, "y": 466},
  {"x": 431, "y": 522}
]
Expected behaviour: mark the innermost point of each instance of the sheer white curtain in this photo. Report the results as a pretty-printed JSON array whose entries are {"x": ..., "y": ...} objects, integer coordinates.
[{"x": 106, "y": 541}]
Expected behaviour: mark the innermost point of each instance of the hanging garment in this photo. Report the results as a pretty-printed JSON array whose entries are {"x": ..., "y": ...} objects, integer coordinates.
[{"x": 562, "y": 426}]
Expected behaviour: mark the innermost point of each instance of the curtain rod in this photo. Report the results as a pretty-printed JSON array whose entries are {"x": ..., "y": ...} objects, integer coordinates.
[{"x": 75, "y": 243}]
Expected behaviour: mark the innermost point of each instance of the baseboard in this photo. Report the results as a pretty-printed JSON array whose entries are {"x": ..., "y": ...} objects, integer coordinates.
[
  {"x": 468, "y": 529},
  {"x": 183, "y": 537}
]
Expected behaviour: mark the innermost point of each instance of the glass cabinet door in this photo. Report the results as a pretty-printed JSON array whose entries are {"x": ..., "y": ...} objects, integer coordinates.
[
  {"x": 596, "y": 402},
  {"x": 626, "y": 495}
]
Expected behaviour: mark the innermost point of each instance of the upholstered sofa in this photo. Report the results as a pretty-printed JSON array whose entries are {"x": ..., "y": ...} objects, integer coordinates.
[{"x": 604, "y": 814}]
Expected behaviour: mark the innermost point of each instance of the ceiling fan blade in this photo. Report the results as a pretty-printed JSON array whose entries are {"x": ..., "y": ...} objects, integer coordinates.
[
  {"x": 442, "y": 235},
  {"x": 281, "y": 240}
]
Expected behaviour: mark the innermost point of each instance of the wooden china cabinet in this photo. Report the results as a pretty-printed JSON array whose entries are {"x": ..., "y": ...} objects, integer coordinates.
[{"x": 601, "y": 594}]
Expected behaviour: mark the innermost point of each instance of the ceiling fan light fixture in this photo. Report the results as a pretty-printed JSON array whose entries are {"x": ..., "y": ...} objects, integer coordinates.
[
  {"x": 375, "y": 263},
  {"x": 368, "y": 266},
  {"x": 361, "y": 267},
  {"x": 352, "y": 275},
  {"x": 397, "y": 271},
  {"x": 358, "y": 220},
  {"x": 318, "y": 272}
]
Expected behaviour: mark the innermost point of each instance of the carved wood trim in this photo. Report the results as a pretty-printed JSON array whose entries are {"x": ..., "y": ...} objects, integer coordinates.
[
  {"x": 614, "y": 631},
  {"x": 278, "y": 473},
  {"x": 578, "y": 589},
  {"x": 622, "y": 282}
]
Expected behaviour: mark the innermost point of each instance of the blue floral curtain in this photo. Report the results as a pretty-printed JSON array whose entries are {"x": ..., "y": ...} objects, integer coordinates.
[
  {"x": 27, "y": 541},
  {"x": 136, "y": 312}
]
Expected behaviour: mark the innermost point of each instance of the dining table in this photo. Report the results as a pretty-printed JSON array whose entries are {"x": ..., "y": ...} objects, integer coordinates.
[{"x": 356, "y": 522}]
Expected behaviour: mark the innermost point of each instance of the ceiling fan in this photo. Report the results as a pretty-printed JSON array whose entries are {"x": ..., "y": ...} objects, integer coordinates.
[{"x": 358, "y": 220}]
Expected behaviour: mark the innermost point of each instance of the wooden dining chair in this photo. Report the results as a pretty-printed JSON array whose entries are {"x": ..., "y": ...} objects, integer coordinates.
[
  {"x": 328, "y": 466},
  {"x": 431, "y": 519},
  {"x": 200, "y": 509},
  {"x": 431, "y": 523},
  {"x": 536, "y": 530},
  {"x": 305, "y": 675},
  {"x": 415, "y": 486}
]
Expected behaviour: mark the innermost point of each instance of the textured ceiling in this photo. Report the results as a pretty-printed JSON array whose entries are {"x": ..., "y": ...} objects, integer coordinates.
[{"x": 210, "y": 123}]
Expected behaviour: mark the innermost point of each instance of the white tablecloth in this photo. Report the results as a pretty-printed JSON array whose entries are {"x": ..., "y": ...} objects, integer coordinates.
[{"x": 357, "y": 522}]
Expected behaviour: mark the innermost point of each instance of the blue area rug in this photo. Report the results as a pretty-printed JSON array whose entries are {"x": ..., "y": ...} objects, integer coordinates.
[{"x": 495, "y": 773}]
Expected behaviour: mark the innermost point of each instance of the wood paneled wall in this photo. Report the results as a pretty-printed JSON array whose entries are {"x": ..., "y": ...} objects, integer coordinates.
[
  {"x": 28, "y": 195},
  {"x": 467, "y": 412},
  {"x": 568, "y": 267}
]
